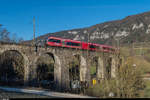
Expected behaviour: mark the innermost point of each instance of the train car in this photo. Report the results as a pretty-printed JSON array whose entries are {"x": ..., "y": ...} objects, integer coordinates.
[
  {"x": 59, "y": 42},
  {"x": 93, "y": 47},
  {"x": 105, "y": 48},
  {"x": 73, "y": 44},
  {"x": 54, "y": 41},
  {"x": 85, "y": 46},
  {"x": 109, "y": 49}
]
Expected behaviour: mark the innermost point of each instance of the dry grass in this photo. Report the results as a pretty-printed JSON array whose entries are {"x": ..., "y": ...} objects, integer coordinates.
[{"x": 142, "y": 63}]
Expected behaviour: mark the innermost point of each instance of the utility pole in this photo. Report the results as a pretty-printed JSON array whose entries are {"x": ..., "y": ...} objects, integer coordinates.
[
  {"x": 34, "y": 30},
  {"x": 34, "y": 41},
  {"x": 88, "y": 41},
  {"x": 88, "y": 54},
  {"x": 88, "y": 45}
]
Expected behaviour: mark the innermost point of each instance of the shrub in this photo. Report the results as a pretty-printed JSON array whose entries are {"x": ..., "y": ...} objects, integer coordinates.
[{"x": 127, "y": 84}]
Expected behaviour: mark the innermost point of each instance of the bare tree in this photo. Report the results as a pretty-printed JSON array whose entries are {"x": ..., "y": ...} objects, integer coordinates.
[
  {"x": 4, "y": 34},
  {"x": 14, "y": 38},
  {"x": 20, "y": 40}
]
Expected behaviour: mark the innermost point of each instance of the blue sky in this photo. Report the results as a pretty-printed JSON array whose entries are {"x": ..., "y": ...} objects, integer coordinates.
[{"x": 57, "y": 15}]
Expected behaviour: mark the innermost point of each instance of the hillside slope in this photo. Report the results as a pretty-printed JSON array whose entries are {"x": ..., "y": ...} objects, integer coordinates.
[{"x": 130, "y": 29}]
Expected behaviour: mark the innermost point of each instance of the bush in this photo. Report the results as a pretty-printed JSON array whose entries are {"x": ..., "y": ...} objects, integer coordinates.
[
  {"x": 102, "y": 89},
  {"x": 127, "y": 84}
]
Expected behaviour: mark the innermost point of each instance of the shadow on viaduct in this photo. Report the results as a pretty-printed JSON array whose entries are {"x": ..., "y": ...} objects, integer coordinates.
[{"x": 62, "y": 57}]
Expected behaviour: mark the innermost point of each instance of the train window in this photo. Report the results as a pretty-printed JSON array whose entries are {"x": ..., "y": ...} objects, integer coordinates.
[
  {"x": 104, "y": 48},
  {"x": 54, "y": 40},
  {"x": 73, "y": 44},
  {"x": 92, "y": 46}
]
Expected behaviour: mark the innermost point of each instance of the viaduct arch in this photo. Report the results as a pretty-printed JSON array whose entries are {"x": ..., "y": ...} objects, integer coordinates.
[{"x": 62, "y": 57}]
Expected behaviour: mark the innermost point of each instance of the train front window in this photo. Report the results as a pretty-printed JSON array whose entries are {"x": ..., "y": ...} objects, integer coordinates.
[
  {"x": 73, "y": 44},
  {"x": 54, "y": 40}
]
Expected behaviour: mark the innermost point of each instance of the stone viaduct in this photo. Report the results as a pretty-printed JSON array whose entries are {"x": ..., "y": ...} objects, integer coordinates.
[{"x": 62, "y": 56}]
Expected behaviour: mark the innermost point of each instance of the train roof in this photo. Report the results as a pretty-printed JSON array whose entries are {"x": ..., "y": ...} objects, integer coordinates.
[
  {"x": 64, "y": 39},
  {"x": 54, "y": 37},
  {"x": 72, "y": 40}
]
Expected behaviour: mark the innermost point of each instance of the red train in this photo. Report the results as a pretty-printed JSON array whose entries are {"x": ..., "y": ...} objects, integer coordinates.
[{"x": 59, "y": 42}]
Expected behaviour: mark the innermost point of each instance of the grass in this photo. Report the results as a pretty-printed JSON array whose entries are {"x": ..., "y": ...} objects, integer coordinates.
[
  {"x": 141, "y": 56},
  {"x": 93, "y": 70},
  {"x": 143, "y": 63},
  {"x": 126, "y": 51},
  {"x": 147, "y": 89}
]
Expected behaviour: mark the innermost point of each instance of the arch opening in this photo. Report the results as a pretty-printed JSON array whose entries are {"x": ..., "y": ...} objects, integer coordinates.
[
  {"x": 45, "y": 71},
  {"x": 12, "y": 68},
  {"x": 94, "y": 68},
  {"x": 74, "y": 68},
  {"x": 108, "y": 68}
]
